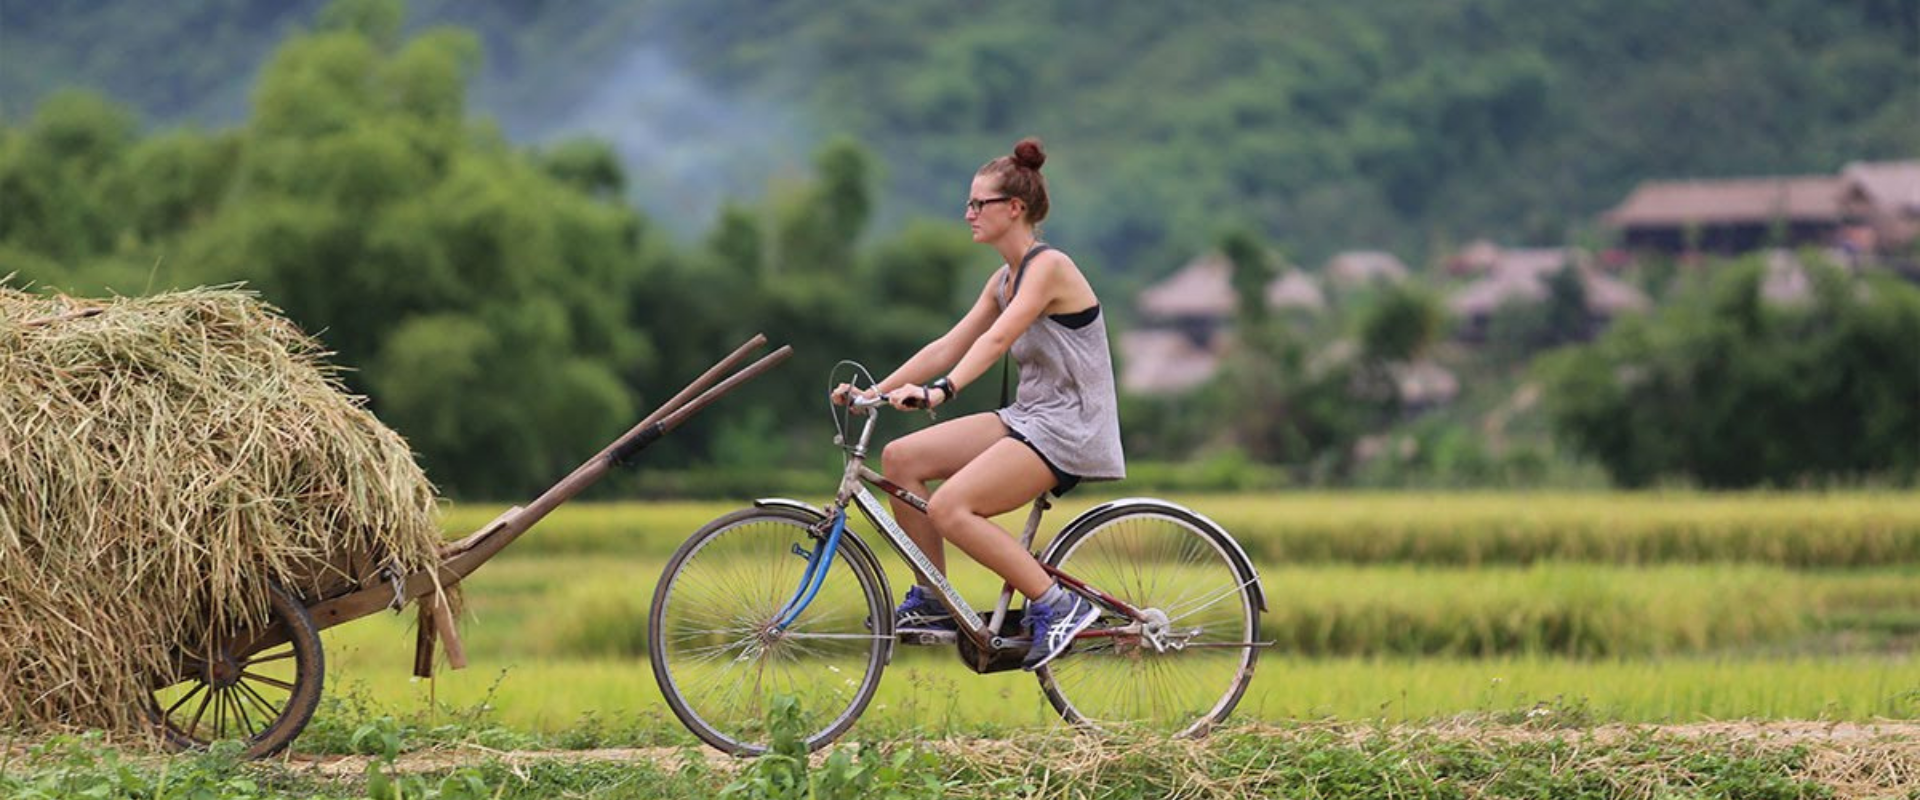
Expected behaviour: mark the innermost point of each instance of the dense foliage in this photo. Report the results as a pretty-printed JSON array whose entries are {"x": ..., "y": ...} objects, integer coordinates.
[
  {"x": 1733, "y": 390},
  {"x": 1548, "y": 751},
  {"x": 1321, "y": 123},
  {"x": 510, "y": 310},
  {"x": 504, "y": 308}
]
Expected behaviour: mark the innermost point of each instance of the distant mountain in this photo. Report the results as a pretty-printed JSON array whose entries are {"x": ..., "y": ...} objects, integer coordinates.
[{"x": 1325, "y": 123}]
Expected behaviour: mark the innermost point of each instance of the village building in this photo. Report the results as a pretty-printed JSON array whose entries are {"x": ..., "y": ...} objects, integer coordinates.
[
  {"x": 1477, "y": 258},
  {"x": 1186, "y": 325},
  {"x": 1357, "y": 269},
  {"x": 1881, "y": 203},
  {"x": 1520, "y": 276},
  {"x": 1196, "y": 301},
  {"x": 1186, "y": 320},
  {"x": 1870, "y": 210},
  {"x": 1157, "y": 361},
  {"x": 1729, "y": 217}
]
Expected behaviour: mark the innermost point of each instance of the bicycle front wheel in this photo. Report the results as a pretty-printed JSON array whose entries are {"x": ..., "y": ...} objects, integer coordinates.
[
  {"x": 1188, "y": 669},
  {"x": 715, "y": 652}
]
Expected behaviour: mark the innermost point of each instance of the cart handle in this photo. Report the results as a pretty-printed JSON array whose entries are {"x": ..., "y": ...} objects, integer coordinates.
[
  {"x": 622, "y": 453},
  {"x": 668, "y": 416},
  {"x": 458, "y": 565}
]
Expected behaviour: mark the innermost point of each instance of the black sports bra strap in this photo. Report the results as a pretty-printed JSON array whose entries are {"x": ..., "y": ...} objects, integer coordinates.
[{"x": 1020, "y": 274}]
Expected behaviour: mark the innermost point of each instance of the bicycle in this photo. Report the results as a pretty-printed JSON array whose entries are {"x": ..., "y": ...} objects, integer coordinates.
[{"x": 782, "y": 598}]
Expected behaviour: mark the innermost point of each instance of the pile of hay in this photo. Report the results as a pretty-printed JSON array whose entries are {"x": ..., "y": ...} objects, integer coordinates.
[{"x": 161, "y": 459}]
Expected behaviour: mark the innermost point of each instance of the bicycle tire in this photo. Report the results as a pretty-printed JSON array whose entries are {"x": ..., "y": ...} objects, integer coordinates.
[
  {"x": 708, "y": 638},
  {"x": 1161, "y": 557}
]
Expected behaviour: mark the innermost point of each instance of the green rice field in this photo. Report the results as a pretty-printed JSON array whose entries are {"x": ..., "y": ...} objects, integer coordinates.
[{"x": 1389, "y": 607}]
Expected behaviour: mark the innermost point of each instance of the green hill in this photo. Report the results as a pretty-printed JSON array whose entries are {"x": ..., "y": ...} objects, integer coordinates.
[
  {"x": 1325, "y": 124},
  {"x": 508, "y": 300}
]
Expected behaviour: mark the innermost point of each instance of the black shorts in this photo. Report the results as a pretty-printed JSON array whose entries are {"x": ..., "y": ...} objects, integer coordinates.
[{"x": 1063, "y": 481}]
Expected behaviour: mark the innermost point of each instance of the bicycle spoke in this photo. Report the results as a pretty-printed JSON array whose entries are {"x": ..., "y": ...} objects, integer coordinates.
[
  {"x": 1157, "y": 560},
  {"x": 858, "y": 637},
  {"x": 717, "y": 661},
  {"x": 1210, "y": 600}
]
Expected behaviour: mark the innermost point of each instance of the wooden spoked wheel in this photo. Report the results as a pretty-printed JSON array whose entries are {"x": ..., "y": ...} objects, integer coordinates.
[{"x": 260, "y": 689}]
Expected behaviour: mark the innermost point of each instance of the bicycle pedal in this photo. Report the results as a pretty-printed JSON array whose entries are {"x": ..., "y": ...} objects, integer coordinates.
[{"x": 926, "y": 638}]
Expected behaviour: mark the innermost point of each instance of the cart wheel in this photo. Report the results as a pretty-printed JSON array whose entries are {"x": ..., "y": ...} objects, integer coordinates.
[{"x": 262, "y": 691}]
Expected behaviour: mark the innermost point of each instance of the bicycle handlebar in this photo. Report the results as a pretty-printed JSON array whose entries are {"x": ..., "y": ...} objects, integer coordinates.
[{"x": 880, "y": 400}]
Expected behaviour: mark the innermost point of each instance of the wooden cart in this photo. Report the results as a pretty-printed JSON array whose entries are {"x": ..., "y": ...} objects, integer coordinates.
[{"x": 262, "y": 686}]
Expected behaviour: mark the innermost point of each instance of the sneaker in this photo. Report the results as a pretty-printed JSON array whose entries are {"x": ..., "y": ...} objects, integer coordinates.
[
  {"x": 921, "y": 612},
  {"x": 1054, "y": 627}
]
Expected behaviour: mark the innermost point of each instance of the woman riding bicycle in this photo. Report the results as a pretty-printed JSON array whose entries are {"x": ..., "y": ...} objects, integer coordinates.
[{"x": 1063, "y": 427}]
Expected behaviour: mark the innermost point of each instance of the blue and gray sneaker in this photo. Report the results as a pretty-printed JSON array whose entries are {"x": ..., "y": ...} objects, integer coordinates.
[
  {"x": 1053, "y": 627},
  {"x": 921, "y": 611}
]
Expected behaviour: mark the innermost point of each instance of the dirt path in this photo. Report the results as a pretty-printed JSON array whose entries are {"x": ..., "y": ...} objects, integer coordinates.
[{"x": 1897, "y": 742}]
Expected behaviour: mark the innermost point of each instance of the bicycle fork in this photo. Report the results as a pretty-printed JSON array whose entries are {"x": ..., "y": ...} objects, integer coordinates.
[{"x": 818, "y": 562}]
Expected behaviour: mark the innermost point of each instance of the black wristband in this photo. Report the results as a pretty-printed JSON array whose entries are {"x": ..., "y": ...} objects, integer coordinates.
[{"x": 945, "y": 385}]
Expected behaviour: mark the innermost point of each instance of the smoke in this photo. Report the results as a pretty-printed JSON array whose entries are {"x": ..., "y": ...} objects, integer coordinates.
[{"x": 685, "y": 144}]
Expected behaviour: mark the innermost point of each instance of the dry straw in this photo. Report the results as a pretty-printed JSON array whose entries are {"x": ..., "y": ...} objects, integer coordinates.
[{"x": 161, "y": 459}]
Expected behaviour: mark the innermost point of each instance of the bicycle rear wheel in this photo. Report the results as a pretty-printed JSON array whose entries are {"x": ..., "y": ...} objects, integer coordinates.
[
  {"x": 1182, "y": 571},
  {"x": 716, "y": 656}
]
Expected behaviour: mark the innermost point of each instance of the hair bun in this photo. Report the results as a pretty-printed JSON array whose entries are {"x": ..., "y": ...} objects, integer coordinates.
[{"x": 1028, "y": 154}]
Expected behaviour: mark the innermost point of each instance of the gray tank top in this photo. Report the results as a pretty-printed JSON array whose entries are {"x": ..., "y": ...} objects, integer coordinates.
[{"x": 1065, "y": 405}]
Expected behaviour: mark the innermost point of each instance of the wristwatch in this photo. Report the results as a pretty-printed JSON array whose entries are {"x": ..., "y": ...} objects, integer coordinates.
[{"x": 945, "y": 385}]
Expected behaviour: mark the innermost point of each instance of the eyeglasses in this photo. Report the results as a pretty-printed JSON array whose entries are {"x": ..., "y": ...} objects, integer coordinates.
[{"x": 975, "y": 206}]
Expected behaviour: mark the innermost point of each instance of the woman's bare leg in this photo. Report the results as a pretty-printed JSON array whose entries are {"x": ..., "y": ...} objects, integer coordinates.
[
  {"x": 933, "y": 454},
  {"x": 1005, "y": 477}
]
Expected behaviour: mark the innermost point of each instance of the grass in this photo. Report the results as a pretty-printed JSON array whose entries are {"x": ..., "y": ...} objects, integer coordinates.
[
  {"x": 1801, "y": 530},
  {"x": 1312, "y": 760},
  {"x": 564, "y": 606},
  {"x": 931, "y": 693},
  {"x": 1692, "y": 608},
  {"x": 557, "y": 631}
]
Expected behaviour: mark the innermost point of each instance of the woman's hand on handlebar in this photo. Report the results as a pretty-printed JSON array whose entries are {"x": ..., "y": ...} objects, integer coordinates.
[
  {"x": 908, "y": 397},
  {"x": 859, "y": 399},
  {"x": 914, "y": 397}
]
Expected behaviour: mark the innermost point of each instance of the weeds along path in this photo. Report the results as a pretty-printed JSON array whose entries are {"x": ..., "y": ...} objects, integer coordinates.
[
  {"x": 443, "y": 758},
  {"x": 1852, "y": 759}
]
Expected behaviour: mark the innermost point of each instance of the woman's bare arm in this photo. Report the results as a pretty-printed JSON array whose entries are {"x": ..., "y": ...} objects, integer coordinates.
[
  {"x": 1044, "y": 280},
  {"x": 943, "y": 352}
]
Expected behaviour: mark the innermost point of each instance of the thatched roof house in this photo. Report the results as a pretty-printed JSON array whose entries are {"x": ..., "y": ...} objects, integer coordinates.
[
  {"x": 1203, "y": 288},
  {"x": 1359, "y": 268},
  {"x": 1296, "y": 290},
  {"x": 1883, "y": 199},
  {"x": 1520, "y": 275},
  {"x": 1730, "y": 216},
  {"x": 1184, "y": 319},
  {"x": 1477, "y": 258},
  {"x": 1159, "y": 361}
]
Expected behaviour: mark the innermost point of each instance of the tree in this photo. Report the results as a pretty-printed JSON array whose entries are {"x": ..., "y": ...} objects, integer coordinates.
[
  {"x": 1727, "y": 390},
  {"x": 480, "y": 300},
  {"x": 1254, "y": 266},
  {"x": 55, "y": 177},
  {"x": 1400, "y": 325}
]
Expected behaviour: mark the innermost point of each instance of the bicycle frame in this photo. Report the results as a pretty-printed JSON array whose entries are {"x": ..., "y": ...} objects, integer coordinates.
[{"x": 985, "y": 632}]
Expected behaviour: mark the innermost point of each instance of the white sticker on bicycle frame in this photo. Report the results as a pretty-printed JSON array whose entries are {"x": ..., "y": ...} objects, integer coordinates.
[{"x": 870, "y": 506}]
